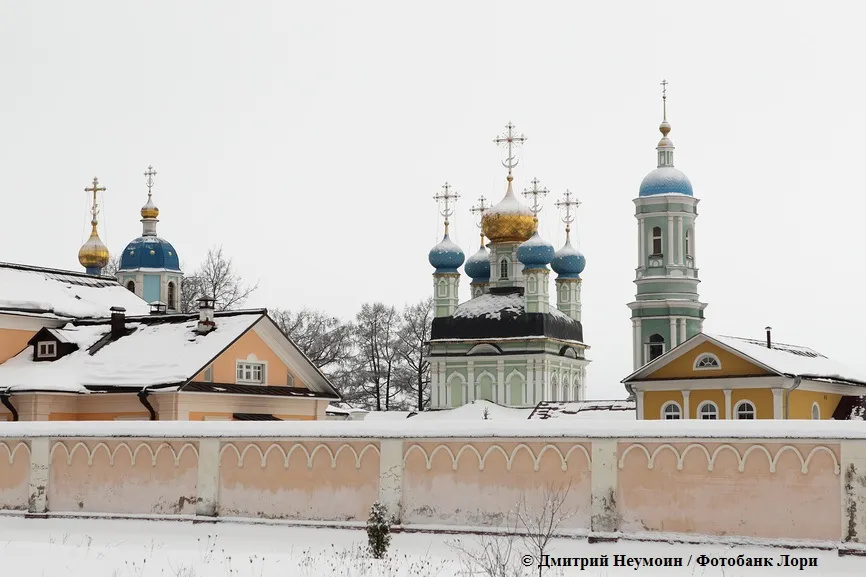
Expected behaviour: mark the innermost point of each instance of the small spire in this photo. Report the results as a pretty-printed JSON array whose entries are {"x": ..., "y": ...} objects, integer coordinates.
[
  {"x": 536, "y": 194},
  {"x": 478, "y": 210},
  {"x": 509, "y": 139},
  {"x": 665, "y": 147},
  {"x": 93, "y": 254},
  {"x": 445, "y": 198},
  {"x": 567, "y": 205}
]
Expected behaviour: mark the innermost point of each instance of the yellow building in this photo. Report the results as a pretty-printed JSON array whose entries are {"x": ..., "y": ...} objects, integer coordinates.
[{"x": 720, "y": 377}]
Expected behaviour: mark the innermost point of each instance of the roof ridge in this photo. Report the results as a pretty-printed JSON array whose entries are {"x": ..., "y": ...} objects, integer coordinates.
[
  {"x": 763, "y": 342},
  {"x": 33, "y": 268}
]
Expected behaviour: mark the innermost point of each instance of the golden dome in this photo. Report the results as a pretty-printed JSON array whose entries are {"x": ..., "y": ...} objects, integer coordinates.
[
  {"x": 149, "y": 210},
  {"x": 93, "y": 253},
  {"x": 509, "y": 221}
]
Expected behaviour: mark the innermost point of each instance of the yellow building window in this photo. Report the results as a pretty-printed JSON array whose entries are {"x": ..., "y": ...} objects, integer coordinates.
[
  {"x": 708, "y": 411},
  {"x": 671, "y": 411},
  {"x": 745, "y": 410}
]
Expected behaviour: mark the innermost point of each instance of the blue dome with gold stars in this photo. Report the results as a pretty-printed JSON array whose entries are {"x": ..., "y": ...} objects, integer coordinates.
[
  {"x": 446, "y": 256},
  {"x": 149, "y": 252},
  {"x": 535, "y": 252},
  {"x": 568, "y": 262}
]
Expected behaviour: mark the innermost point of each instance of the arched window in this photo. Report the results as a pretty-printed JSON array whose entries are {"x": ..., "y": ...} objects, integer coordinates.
[
  {"x": 745, "y": 410},
  {"x": 708, "y": 411},
  {"x": 657, "y": 240},
  {"x": 656, "y": 347},
  {"x": 171, "y": 296},
  {"x": 707, "y": 362},
  {"x": 816, "y": 412},
  {"x": 671, "y": 411},
  {"x": 503, "y": 268},
  {"x": 131, "y": 286}
]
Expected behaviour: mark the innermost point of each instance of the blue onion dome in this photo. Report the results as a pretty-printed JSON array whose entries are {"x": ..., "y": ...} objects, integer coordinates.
[
  {"x": 665, "y": 180},
  {"x": 149, "y": 252},
  {"x": 535, "y": 252},
  {"x": 568, "y": 262},
  {"x": 478, "y": 266},
  {"x": 446, "y": 256}
]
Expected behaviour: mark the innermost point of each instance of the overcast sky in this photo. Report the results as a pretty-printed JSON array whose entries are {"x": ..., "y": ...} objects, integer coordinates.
[{"x": 308, "y": 138}]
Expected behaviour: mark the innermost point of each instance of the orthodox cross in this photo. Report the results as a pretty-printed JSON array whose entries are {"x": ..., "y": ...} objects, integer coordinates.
[
  {"x": 94, "y": 189},
  {"x": 510, "y": 139},
  {"x": 478, "y": 210},
  {"x": 664, "y": 84},
  {"x": 445, "y": 198},
  {"x": 535, "y": 193},
  {"x": 150, "y": 173},
  {"x": 567, "y": 204}
]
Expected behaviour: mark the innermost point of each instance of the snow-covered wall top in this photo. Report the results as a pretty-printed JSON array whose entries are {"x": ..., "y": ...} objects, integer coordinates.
[{"x": 437, "y": 429}]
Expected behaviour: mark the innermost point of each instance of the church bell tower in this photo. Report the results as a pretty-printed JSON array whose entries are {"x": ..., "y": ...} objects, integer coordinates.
[{"x": 667, "y": 310}]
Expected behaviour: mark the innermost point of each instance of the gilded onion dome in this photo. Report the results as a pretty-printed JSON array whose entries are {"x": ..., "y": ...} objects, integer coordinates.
[
  {"x": 93, "y": 253},
  {"x": 509, "y": 221},
  {"x": 149, "y": 209}
]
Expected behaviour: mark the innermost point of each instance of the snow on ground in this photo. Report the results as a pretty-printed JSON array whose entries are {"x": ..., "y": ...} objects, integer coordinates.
[
  {"x": 474, "y": 411},
  {"x": 125, "y": 548}
]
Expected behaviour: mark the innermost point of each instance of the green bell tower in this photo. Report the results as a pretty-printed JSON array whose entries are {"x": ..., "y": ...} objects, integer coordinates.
[{"x": 667, "y": 309}]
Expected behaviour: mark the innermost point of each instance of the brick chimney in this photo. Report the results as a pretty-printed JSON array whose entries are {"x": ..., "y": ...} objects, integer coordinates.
[
  {"x": 118, "y": 322},
  {"x": 769, "y": 340},
  {"x": 205, "y": 315}
]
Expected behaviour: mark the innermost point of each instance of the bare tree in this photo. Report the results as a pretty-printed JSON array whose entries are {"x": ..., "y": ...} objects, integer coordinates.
[
  {"x": 490, "y": 555},
  {"x": 325, "y": 339},
  {"x": 541, "y": 524},
  {"x": 218, "y": 278},
  {"x": 376, "y": 343},
  {"x": 190, "y": 291},
  {"x": 413, "y": 336},
  {"x": 113, "y": 265}
]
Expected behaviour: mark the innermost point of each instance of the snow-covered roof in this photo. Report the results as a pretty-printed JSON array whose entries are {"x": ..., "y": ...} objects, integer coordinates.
[
  {"x": 475, "y": 411},
  {"x": 492, "y": 306},
  {"x": 156, "y": 352},
  {"x": 779, "y": 358},
  {"x": 63, "y": 294},
  {"x": 793, "y": 360},
  {"x": 604, "y": 410}
]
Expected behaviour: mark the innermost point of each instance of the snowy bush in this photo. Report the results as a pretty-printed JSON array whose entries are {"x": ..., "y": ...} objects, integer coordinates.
[{"x": 378, "y": 530}]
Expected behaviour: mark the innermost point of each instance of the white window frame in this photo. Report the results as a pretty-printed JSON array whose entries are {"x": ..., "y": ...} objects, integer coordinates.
[
  {"x": 700, "y": 412},
  {"x": 663, "y": 414},
  {"x": 660, "y": 238},
  {"x": 816, "y": 406},
  {"x": 702, "y": 356},
  {"x": 251, "y": 364},
  {"x": 507, "y": 264},
  {"x": 46, "y": 349},
  {"x": 740, "y": 404}
]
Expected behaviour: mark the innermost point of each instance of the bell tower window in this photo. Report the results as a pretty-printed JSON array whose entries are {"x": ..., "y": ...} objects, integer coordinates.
[
  {"x": 171, "y": 296},
  {"x": 657, "y": 240},
  {"x": 503, "y": 269},
  {"x": 656, "y": 347},
  {"x": 131, "y": 286}
]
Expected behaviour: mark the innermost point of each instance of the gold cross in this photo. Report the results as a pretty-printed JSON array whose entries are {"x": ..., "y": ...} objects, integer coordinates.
[{"x": 445, "y": 198}]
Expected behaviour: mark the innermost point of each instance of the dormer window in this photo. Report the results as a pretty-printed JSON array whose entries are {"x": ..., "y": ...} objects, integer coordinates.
[
  {"x": 46, "y": 349},
  {"x": 707, "y": 362}
]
